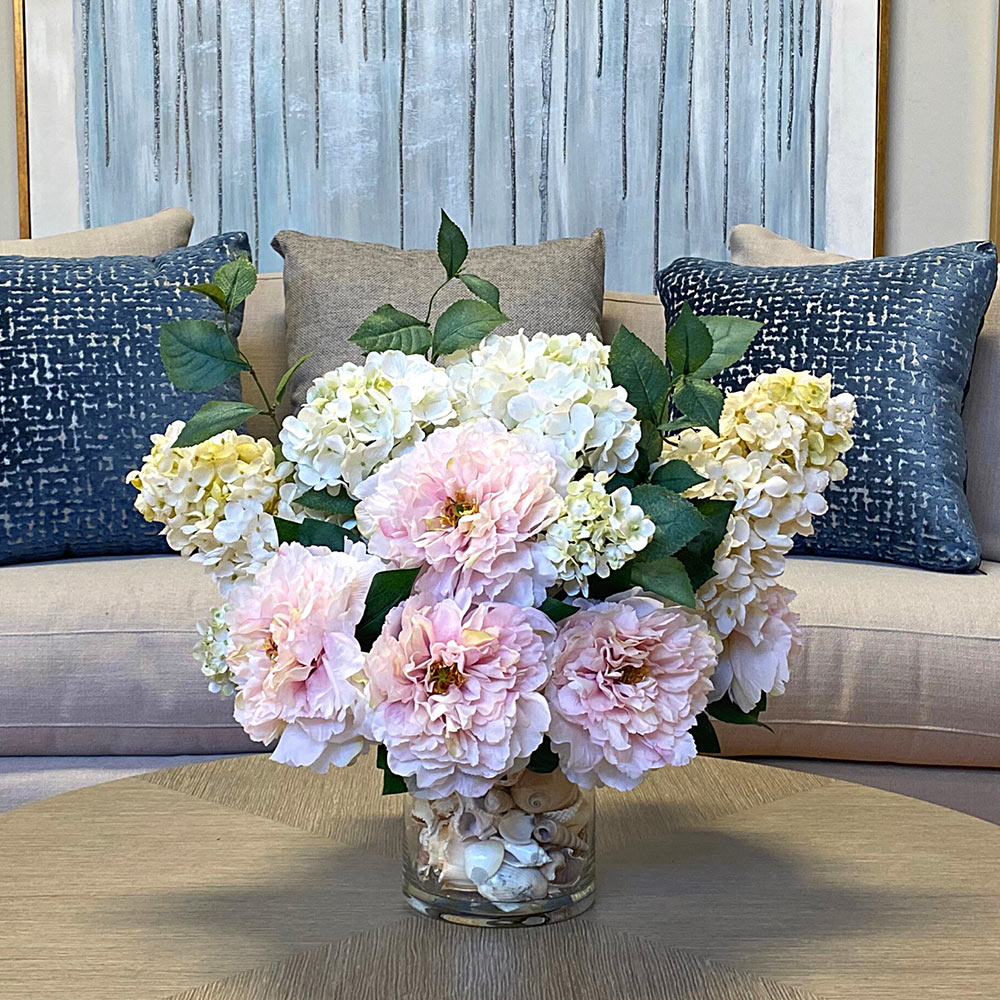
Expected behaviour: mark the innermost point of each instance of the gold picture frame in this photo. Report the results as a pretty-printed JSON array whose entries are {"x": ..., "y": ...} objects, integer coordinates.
[{"x": 881, "y": 129}]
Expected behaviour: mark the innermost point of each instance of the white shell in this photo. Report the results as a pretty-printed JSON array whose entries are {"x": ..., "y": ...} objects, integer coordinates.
[
  {"x": 422, "y": 811},
  {"x": 510, "y": 885},
  {"x": 498, "y": 800},
  {"x": 446, "y": 806},
  {"x": 474, "y": 823},
  {"x": 483, "y": 859},
  {"x": 526, "y": 855},
  {"x": 557, "y": 860},
  {"x": 516, "y": 827}
]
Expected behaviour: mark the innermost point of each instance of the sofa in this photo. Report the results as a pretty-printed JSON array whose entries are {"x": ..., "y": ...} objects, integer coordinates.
[{"x": 898, "y": 684}]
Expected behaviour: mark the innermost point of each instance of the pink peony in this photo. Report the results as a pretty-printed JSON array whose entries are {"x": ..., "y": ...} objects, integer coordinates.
[
  {"x": 467, "y": 503},
  {"x": 755, "y": 655},
  {"x": 299, "y": 669},
  {"x": 456, "y": 691},
  {"x": 629, "y": 676}
]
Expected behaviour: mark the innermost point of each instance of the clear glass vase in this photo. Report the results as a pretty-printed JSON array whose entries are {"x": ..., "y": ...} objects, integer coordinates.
[{"x": 522, "y": 854}]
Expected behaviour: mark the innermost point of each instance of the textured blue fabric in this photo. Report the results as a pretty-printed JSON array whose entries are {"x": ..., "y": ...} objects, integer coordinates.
[
  {"x": 82, "y": 387},
  {"x": 897, "y": 332}
]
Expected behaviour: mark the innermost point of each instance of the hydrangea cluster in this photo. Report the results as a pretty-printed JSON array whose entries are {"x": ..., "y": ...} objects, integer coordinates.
[
  {"x": 212, "y": 652},
  {"x": 778, "y": 450},
  {"x": 596, "y": 532},
  {"x": 358, "y": 416},
  {"x": 214, "y": 499},
  {"x": 556, "y": 385}
]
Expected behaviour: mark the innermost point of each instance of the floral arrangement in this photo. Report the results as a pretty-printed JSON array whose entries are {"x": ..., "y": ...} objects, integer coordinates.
[{"x": 490, "y": 556}]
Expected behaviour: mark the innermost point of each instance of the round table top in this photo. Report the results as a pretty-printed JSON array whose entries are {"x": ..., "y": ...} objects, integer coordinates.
[{"x": 243, "y": 879}]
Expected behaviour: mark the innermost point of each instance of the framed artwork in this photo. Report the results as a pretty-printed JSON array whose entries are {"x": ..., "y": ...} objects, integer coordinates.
[{"x": 665, "y": 122}]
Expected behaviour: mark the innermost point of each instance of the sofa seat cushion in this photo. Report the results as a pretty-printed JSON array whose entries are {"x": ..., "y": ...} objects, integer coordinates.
[
  {"x": 97, "y": 660},
  {"x": 898, "y": 664}
]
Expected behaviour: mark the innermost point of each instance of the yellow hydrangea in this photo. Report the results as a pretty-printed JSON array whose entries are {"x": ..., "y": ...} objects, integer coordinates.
[{"x": 214, "y": 499}]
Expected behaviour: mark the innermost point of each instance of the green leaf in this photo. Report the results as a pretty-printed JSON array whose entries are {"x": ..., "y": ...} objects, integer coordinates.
[
  {"x": 484, "y": 289},
  {"x": 726, "y": 711},
  {"x": 556, "y": 610},
  {"x": 619, "y": 479},
  {"x": 213, "y": 418},
  {"x": 731, "y": 336},
  {"x": 197, "y": 355},
  {"x": 279, "y": 393},
  {"x": 315, "y": 532},
  {"x": 699, "y": 554},
  {"x": 616, "y": 582},
  {"x": 678, "y": 424},
  {"x": 689, "y": 343},
  {"x": 327, "y": 502},
  {"x": 387, "y": 589},
  {"x": 388, "y": 329},
  {"x": 700, "y": 401},
  {"x": 452, "y": 246},
  {"x": 288, "y": 531},
  {"x": 212, "y": 291},
  {"x": 705, "y": 738},
  {"x": 677, "y": 520},
  {"x": 649, "y": 450},
  {"x": 236, "y": 280},
  {"x": 665, "y": 576},
  {"x": 463, "y": 324},
  {"x": 392, "y": 783},
  {"x": 677, "y": 476},
  {"x": 643, "y": 376},
  {"x": 543, "y": 759}
]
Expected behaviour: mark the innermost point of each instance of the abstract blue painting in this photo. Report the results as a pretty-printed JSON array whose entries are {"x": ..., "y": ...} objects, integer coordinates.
[{"x": 663, "y": 121}]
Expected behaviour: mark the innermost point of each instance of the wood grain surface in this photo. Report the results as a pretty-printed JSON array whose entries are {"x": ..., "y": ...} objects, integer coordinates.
[{"x": 247, "y": 880}]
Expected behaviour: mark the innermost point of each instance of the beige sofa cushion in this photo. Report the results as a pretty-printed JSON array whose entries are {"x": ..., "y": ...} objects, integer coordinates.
[
  {"x": 755, "y": 246},
  {"x": 899, "y": 665},
  {"x": 97, "y": 660},
  {"x": 147, "y": 237},
  {"x": 332, "y": 284}
]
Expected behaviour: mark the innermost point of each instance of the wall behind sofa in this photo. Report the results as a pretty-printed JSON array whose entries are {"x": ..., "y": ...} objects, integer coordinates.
[{"x": 940, "y": 123}]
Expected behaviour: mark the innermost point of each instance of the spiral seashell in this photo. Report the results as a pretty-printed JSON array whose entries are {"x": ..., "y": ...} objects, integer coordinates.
[
  {"x": 498, "y": 800},
  {"x": 538, "y": 793},
  {"x": 576, "y": 816},
  {"x": 548, "y": 831},
  {"x": 516, "y": 827},
  {"x": 474, "y": 823},
  {"x": 531, "y": 855}
]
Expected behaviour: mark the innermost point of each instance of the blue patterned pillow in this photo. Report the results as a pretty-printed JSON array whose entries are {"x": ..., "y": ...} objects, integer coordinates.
[
  {"x": 899, "y": 333},
  {"x": 81, "y": 389}
]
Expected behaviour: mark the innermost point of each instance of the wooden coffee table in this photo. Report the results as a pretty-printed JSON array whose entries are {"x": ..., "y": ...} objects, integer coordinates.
[{"x": 247, "y": 880}]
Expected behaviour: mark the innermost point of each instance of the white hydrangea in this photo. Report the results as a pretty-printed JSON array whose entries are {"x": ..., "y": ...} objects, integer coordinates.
[
  {"x": 777, "y": 452},
  {"x": 214, "y": 499},
  {"x": 212, "y": 651},
  {"x": 596, "y": 532},
  {"x": 559, "y": 385},
  {"x": 358, "y": 416}
]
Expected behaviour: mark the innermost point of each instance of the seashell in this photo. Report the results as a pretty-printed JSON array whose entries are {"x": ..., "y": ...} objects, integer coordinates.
[
  {"x": 576, "y": 817},
  {"x": 474, "y": 823},
  {"x": 531, "y": 855},
  {"x": 510, "y": 777},
  {"x": 538, "y": 793},
  {"x": 516, "y": 827},
  {"x": 422, "y": 811},
  {"x": 498, "y": 800},
  {"x": 447, "y": 806},
  {"x": 548, "y": 831},
  {"x": 569, "y": 873},
  {"x": 510, "y": 885},
  {"x": 483, "y": 859},
  {"x": 557, "y": 861}
]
